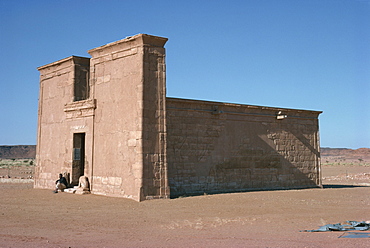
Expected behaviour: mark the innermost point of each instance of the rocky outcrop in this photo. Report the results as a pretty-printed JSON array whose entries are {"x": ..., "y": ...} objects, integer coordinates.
[
  {"x": 361, "y": 153},
  {"x": 18, "y": 152}
]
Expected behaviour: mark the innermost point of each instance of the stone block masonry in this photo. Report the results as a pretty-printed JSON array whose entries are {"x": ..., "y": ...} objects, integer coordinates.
[
  {"x": 217, "y": 147},
  {"x": 108, "y": 118},
  {"x": 104, "y": 117}
]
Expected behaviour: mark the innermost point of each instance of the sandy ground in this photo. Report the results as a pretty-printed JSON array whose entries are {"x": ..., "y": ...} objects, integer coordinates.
[{"x": 38, "y": 218}]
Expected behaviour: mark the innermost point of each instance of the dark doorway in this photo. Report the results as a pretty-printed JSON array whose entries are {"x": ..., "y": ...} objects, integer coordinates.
[{"x": 78, "y": 157}]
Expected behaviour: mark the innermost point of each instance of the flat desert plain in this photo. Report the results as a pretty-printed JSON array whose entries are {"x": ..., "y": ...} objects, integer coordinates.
[{"x": 38, "y": 218}]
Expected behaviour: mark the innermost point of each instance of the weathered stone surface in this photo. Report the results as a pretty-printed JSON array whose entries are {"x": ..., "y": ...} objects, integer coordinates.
[
  {"x": 241, "y": 148},
  {"x": 107, "y": 118}
]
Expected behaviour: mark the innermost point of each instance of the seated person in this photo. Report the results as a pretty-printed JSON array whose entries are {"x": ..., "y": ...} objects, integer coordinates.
[{"x": 61, "y": 184}]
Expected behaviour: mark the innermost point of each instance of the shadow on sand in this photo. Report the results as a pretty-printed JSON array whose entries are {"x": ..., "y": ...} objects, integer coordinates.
[{"x": 342, "y": 186}]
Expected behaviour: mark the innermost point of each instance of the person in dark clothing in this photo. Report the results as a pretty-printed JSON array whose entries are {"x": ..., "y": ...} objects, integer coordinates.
[{"x": 61, "y": 184}]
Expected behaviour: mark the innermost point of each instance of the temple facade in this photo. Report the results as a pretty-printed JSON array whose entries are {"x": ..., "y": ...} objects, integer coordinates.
[{"x": 108, "y": 118}]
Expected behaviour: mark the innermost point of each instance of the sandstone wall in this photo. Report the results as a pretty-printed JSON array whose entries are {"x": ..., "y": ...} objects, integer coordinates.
[
  {"x": 155, "y": 184},
  {"x": 111, "y": 108},
  {"x": 141, "y": 145},
  {"x": 129, "y": 87},
  {"x": 219, "y": 147},
  {"x": 60, "y": 117}
]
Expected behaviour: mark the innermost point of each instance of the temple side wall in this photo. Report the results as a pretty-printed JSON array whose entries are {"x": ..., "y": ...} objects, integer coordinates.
[{"x": 218, "y": 147}]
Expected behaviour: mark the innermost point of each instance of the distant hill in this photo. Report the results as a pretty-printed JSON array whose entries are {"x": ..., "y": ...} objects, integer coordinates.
[
  {"x": 361, "y": 153},
  {"x": 29, "y": 151},
  {"x": 21, "y": 151}
]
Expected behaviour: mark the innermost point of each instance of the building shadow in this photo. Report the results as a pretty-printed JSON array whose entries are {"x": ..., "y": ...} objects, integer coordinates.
[
  {"x": 341, "y": 186},
  {"x": 241, "y": 191}
]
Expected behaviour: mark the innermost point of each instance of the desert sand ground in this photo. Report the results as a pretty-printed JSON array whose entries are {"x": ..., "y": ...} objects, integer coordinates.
[{"x": 38, "y": 218}]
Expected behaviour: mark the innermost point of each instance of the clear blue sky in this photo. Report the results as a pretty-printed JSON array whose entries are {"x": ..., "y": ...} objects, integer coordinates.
[{"x": 312, "y": 54}]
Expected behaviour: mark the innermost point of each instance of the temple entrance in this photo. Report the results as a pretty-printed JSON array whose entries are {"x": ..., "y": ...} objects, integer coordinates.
[{"x": 78, "y": 157}]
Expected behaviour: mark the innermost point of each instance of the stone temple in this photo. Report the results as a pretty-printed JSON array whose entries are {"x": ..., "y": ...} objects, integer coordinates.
[{"x": 108, "y": 118}]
